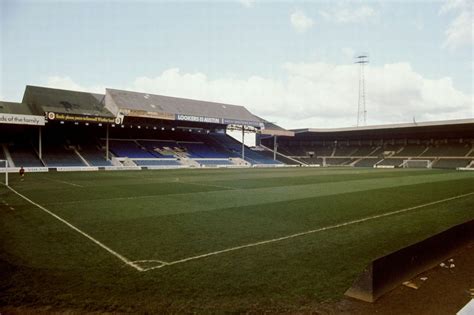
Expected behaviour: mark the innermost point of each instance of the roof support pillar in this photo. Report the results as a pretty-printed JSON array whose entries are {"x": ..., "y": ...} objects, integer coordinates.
[
  {"x": 243, "y": 143},
  {"x": 40, "y": 143},
  {"x": 107, "y": 142},
  {"x": 275, "y": 147}
]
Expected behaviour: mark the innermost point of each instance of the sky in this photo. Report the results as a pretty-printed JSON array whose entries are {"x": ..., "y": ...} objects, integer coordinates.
[{"x": 291, "y": 62}]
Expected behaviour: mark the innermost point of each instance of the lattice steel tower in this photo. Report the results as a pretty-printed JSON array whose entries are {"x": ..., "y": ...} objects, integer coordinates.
[{"x": 362, "y": 60}]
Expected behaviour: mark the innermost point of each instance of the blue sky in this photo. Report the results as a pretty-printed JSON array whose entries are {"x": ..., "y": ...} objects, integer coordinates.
[{"x": 273, "y": 57}]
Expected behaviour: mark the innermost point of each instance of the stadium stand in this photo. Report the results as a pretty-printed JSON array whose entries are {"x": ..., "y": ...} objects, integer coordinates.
[
  {"x": 311, "y": 161},
  {"x": 214, "y": 162},
  {"x": 370, "y": 162},
  {"x": 24, "y": 155},
  {"x": 451, "y": 163},
  {"x": 69, "y": 128},
  {"x": 448, "y": 144},
  {"x": 367, "y": 151},
  {"x": 448, "y": 150},
  {"x": 346, "y": 150},
  {"x": 161, "y": 162},
  {"x": 56, "y": 155},
  {"x": 411, "y": 150},
  {"x": 130, "y": 149},
  {"x": 338, "y": 161},
  {"x": 234, "y": 148},
  {"x": 391, "y": 162},
  {"x": 93, "y": 154}
]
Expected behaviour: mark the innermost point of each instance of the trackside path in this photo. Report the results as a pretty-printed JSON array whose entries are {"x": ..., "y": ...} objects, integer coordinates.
[
  {"x": 161, "y": 264},
  {"x": 111, "y": 251}
]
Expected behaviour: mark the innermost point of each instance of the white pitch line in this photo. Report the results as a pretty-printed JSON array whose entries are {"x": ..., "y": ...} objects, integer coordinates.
[
  {"x": 306, "y": 232},
  {"x": 111, "y": 251},
  {"x": 64, "y": 182},
  {"x": 209, "y": 185}
]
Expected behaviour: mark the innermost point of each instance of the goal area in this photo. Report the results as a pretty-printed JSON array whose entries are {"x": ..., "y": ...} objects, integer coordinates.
[
  {"x": 416, "y": 164},
  {"x": 4, "y": 172}
]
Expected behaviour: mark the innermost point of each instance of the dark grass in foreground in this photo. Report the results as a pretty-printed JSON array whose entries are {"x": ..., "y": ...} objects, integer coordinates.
[{"x": 171, "y": 215}]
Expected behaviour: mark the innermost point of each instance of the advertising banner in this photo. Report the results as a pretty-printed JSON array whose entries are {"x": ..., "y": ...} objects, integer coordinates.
[
  {"x": 22, "y": 119},
  {"x": 82, "y": 118}
]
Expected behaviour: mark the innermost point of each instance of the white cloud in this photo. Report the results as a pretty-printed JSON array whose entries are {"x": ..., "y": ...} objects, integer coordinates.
[
  {"x": 344, "y": 14},
  {"x": 320, "y": 94},
  {"x": 248, "y": 3},
  {"x": 300, "y": 22},
  {"x": 460, "y": 32}
]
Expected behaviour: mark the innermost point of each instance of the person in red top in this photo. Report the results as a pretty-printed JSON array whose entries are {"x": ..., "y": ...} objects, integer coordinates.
[{"x": 22, "y": 173}]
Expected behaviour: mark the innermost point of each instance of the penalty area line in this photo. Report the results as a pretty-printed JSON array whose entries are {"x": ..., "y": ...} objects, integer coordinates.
[
  {"x": 330, "y": 227},
  {"x": 108, "y": 249}
]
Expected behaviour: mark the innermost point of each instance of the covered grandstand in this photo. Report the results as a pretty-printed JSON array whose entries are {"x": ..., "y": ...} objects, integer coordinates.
[
  {"x": 72, "y": 130},
  {"x": 443, "y": 144},
  {"x": 126, "y": 130}
]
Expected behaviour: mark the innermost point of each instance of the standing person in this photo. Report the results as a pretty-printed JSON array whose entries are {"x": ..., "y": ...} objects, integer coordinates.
[{"x": 22, "y": 173}]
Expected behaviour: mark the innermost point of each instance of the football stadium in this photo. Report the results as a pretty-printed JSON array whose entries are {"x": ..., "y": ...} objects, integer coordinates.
[{"x": 134, "y": 203}]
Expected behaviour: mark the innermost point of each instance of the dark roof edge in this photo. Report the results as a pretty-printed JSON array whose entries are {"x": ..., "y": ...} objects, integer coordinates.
[{"x": 389, "y": 126}]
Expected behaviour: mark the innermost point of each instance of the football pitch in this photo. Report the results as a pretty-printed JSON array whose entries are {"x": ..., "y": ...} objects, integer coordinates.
[{"x": 212, "y": 240}]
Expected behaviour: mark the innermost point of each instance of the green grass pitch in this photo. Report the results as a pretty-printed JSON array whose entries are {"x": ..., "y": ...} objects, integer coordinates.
[{"x": 212, "y": 240}]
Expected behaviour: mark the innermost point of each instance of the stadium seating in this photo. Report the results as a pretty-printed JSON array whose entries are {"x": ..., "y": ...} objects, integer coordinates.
[
  {"x": 345, "y": 150},
  {"x": 24, "y": 155},
  {"x": 202, "y": 150},
  {"x": 338, "y": 161},
  {"x": 411, "y": 150},
  {"x": 369, "y": 154},
  {"x": 163, "y": 162},
  {"x": 214, "y": 163},
  {"x": 58, "y": 156},
  {"x": 311, "y": 161},
  {"x": 157, "y": 147},
  {"x": 369, "y": 162},
  {"x": 451, "y": 163},
  {"x": 234, "y": 149},
  {"x": 367, "y": 150},
  {"x": 128, "y": 148},
  {"x": 448, "y": 150},
  {"x": 391, "y": 162},
  {"x": 93, "y": 155}
]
